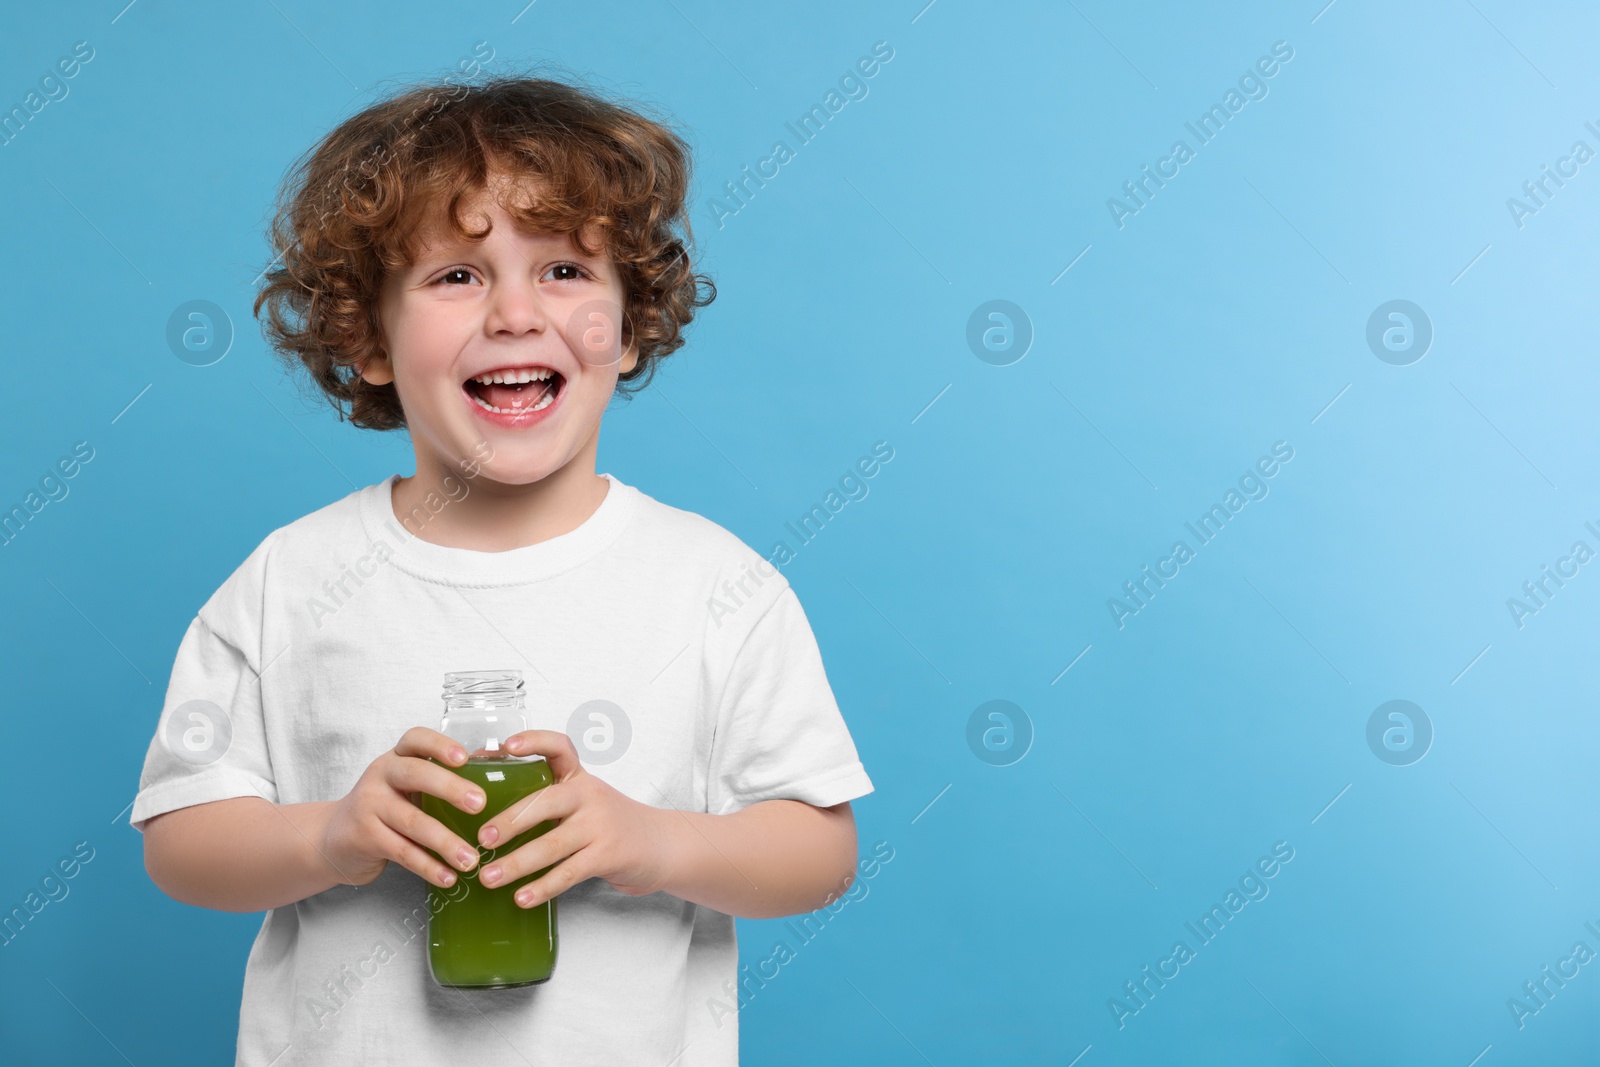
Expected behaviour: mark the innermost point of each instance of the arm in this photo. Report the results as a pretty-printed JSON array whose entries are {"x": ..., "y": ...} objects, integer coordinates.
[
  {"x": 775, "y": 858},
  {"x": 241, "y": 854},
  {"x": 249, "y": 854}
]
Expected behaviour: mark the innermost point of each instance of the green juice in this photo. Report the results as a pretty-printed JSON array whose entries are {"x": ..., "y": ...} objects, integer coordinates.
[{"x": 483, "y": 940}]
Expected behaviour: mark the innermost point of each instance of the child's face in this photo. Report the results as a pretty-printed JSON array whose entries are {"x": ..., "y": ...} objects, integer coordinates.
[{"x": 533, "y": 310}]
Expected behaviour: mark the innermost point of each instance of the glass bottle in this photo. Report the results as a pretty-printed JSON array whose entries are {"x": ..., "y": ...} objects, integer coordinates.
[{"x": 482, "y": 939}]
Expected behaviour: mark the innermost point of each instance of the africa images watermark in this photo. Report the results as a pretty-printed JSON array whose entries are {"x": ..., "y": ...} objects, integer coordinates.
[
  {"x": 852, "y": 85},
  {"x": 1538, "y": 592},
  {"x": 53, "y": 888},
  {"x": 1252, "y": 486},
  {"x": 52, "y": 84},
  {"x": 1210, "y": 123},
  {"x": 735, "y": 593},
  {"x": 853, "y": 487},
  {"x": 1252, "y": 886},
  {"x": 435, "y": 101},
  {"x": 1538, "y": 992},
  {"x": 337, "y": 592},
  {"x": 52, "y": 487},
  {"x": 351, "y": 977},
  {"x": 348, "y": 981},
  {"x": 1549, "y": 181},
  {"x": 810, "y": 925}
]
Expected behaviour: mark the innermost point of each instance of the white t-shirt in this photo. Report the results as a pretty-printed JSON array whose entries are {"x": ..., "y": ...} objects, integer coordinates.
[{"x": 333, "y": 638}]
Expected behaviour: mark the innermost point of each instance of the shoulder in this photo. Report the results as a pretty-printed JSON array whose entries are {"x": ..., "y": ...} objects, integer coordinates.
[
  {"x": 306, "y": 544},
  {"x": 736, "y": 584},
  {"x": 696, "y": 543}
]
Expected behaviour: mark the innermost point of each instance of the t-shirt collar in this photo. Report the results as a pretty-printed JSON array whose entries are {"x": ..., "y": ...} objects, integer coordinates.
[{"x": 465, "y": 566}]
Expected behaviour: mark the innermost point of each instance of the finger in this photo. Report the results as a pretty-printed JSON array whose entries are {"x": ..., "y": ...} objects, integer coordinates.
[
  {"x": 534, "y": 857},
  {"x": 424, "y": 742},
  {"x": 422, "y": 829},
  {"x": 410, "y": 775},
  {"x": 567, "y": 874},
  {"x": 551, "y": 802},
  {"x": 413, "y": 857},
  {"x": 553, "y": 746}
]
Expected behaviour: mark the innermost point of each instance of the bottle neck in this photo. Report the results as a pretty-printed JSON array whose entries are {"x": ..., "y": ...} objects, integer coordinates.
[{"x": 482, "y": 709}]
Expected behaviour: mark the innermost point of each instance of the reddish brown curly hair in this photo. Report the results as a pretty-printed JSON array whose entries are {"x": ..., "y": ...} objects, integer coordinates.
[{"x": 351, "y": 209}]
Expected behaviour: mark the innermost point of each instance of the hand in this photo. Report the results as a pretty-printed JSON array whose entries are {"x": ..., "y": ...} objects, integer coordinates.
[
  {"x": 602, "y": 832},
  {"x": 377, "y": 821}
]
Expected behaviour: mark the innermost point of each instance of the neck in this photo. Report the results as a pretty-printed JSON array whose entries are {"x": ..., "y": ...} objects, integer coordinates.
[{"x": 447, "y": 507}]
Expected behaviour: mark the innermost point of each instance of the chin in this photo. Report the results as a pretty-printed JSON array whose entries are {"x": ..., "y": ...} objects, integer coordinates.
[{"x": 503, "y": 470}]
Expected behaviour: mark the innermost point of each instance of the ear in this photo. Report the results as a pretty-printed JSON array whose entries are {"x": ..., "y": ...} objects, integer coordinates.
[
  {"x": 377, "y": 370},
  {"x": 630, "y": 358}
]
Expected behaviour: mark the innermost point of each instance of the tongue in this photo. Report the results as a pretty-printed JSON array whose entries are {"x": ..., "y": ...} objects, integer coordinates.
[{"x": 512, "y": 397}]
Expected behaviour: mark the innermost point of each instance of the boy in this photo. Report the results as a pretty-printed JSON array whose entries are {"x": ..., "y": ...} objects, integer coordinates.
[{"x": 481, "y": 266}]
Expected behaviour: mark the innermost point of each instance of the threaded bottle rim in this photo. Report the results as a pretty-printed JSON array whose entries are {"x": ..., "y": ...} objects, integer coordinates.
[{"x": 483, "y": 689}]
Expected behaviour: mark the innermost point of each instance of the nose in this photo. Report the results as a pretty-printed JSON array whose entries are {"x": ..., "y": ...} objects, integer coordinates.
[{"x": 515, "y": 308}]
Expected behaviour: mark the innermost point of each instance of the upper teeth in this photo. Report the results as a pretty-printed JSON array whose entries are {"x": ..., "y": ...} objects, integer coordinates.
[{"x": 514, "y": 377}]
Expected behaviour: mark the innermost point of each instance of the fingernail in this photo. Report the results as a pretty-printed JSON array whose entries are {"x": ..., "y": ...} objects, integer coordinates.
[
  {"x": 449, "y": 878},
  {"x": 465, "y": 856},
  {"x": 489, "y": 835},
  {"x": 490, "y": 875},
  {"x": 524, "y": 898},
  {"x": 474, "y": 801},
  {"x": 458, "y": 753}
]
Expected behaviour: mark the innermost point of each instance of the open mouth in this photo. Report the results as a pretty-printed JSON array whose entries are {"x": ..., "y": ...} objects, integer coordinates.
[{"x": 515, "y": 390}]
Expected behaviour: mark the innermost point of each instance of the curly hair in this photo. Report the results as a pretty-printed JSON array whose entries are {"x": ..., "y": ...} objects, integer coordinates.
[{"x": 350, "y": 212}]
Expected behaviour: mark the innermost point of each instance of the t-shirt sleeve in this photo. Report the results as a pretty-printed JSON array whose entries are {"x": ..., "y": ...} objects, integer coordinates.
[
  {"x": 210, "y": 742},
  {"x": 779, "y": 733}
]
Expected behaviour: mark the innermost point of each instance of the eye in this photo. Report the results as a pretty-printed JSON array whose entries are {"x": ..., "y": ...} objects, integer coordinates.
[
  {"x": 453, "y": 273},
  {"x": 575, "y": 272}
]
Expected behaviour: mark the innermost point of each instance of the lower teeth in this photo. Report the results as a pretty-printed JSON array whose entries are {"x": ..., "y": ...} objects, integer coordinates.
[{"x": 544, "y": 402}]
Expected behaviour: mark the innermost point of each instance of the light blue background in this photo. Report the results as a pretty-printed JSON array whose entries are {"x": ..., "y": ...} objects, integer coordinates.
[{"x": 1223, "y": 317}]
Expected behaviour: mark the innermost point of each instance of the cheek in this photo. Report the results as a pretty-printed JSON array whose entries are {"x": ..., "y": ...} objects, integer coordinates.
[
  {"x": 424, "y": 343},
  {"x": 590, "y": 394}
]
